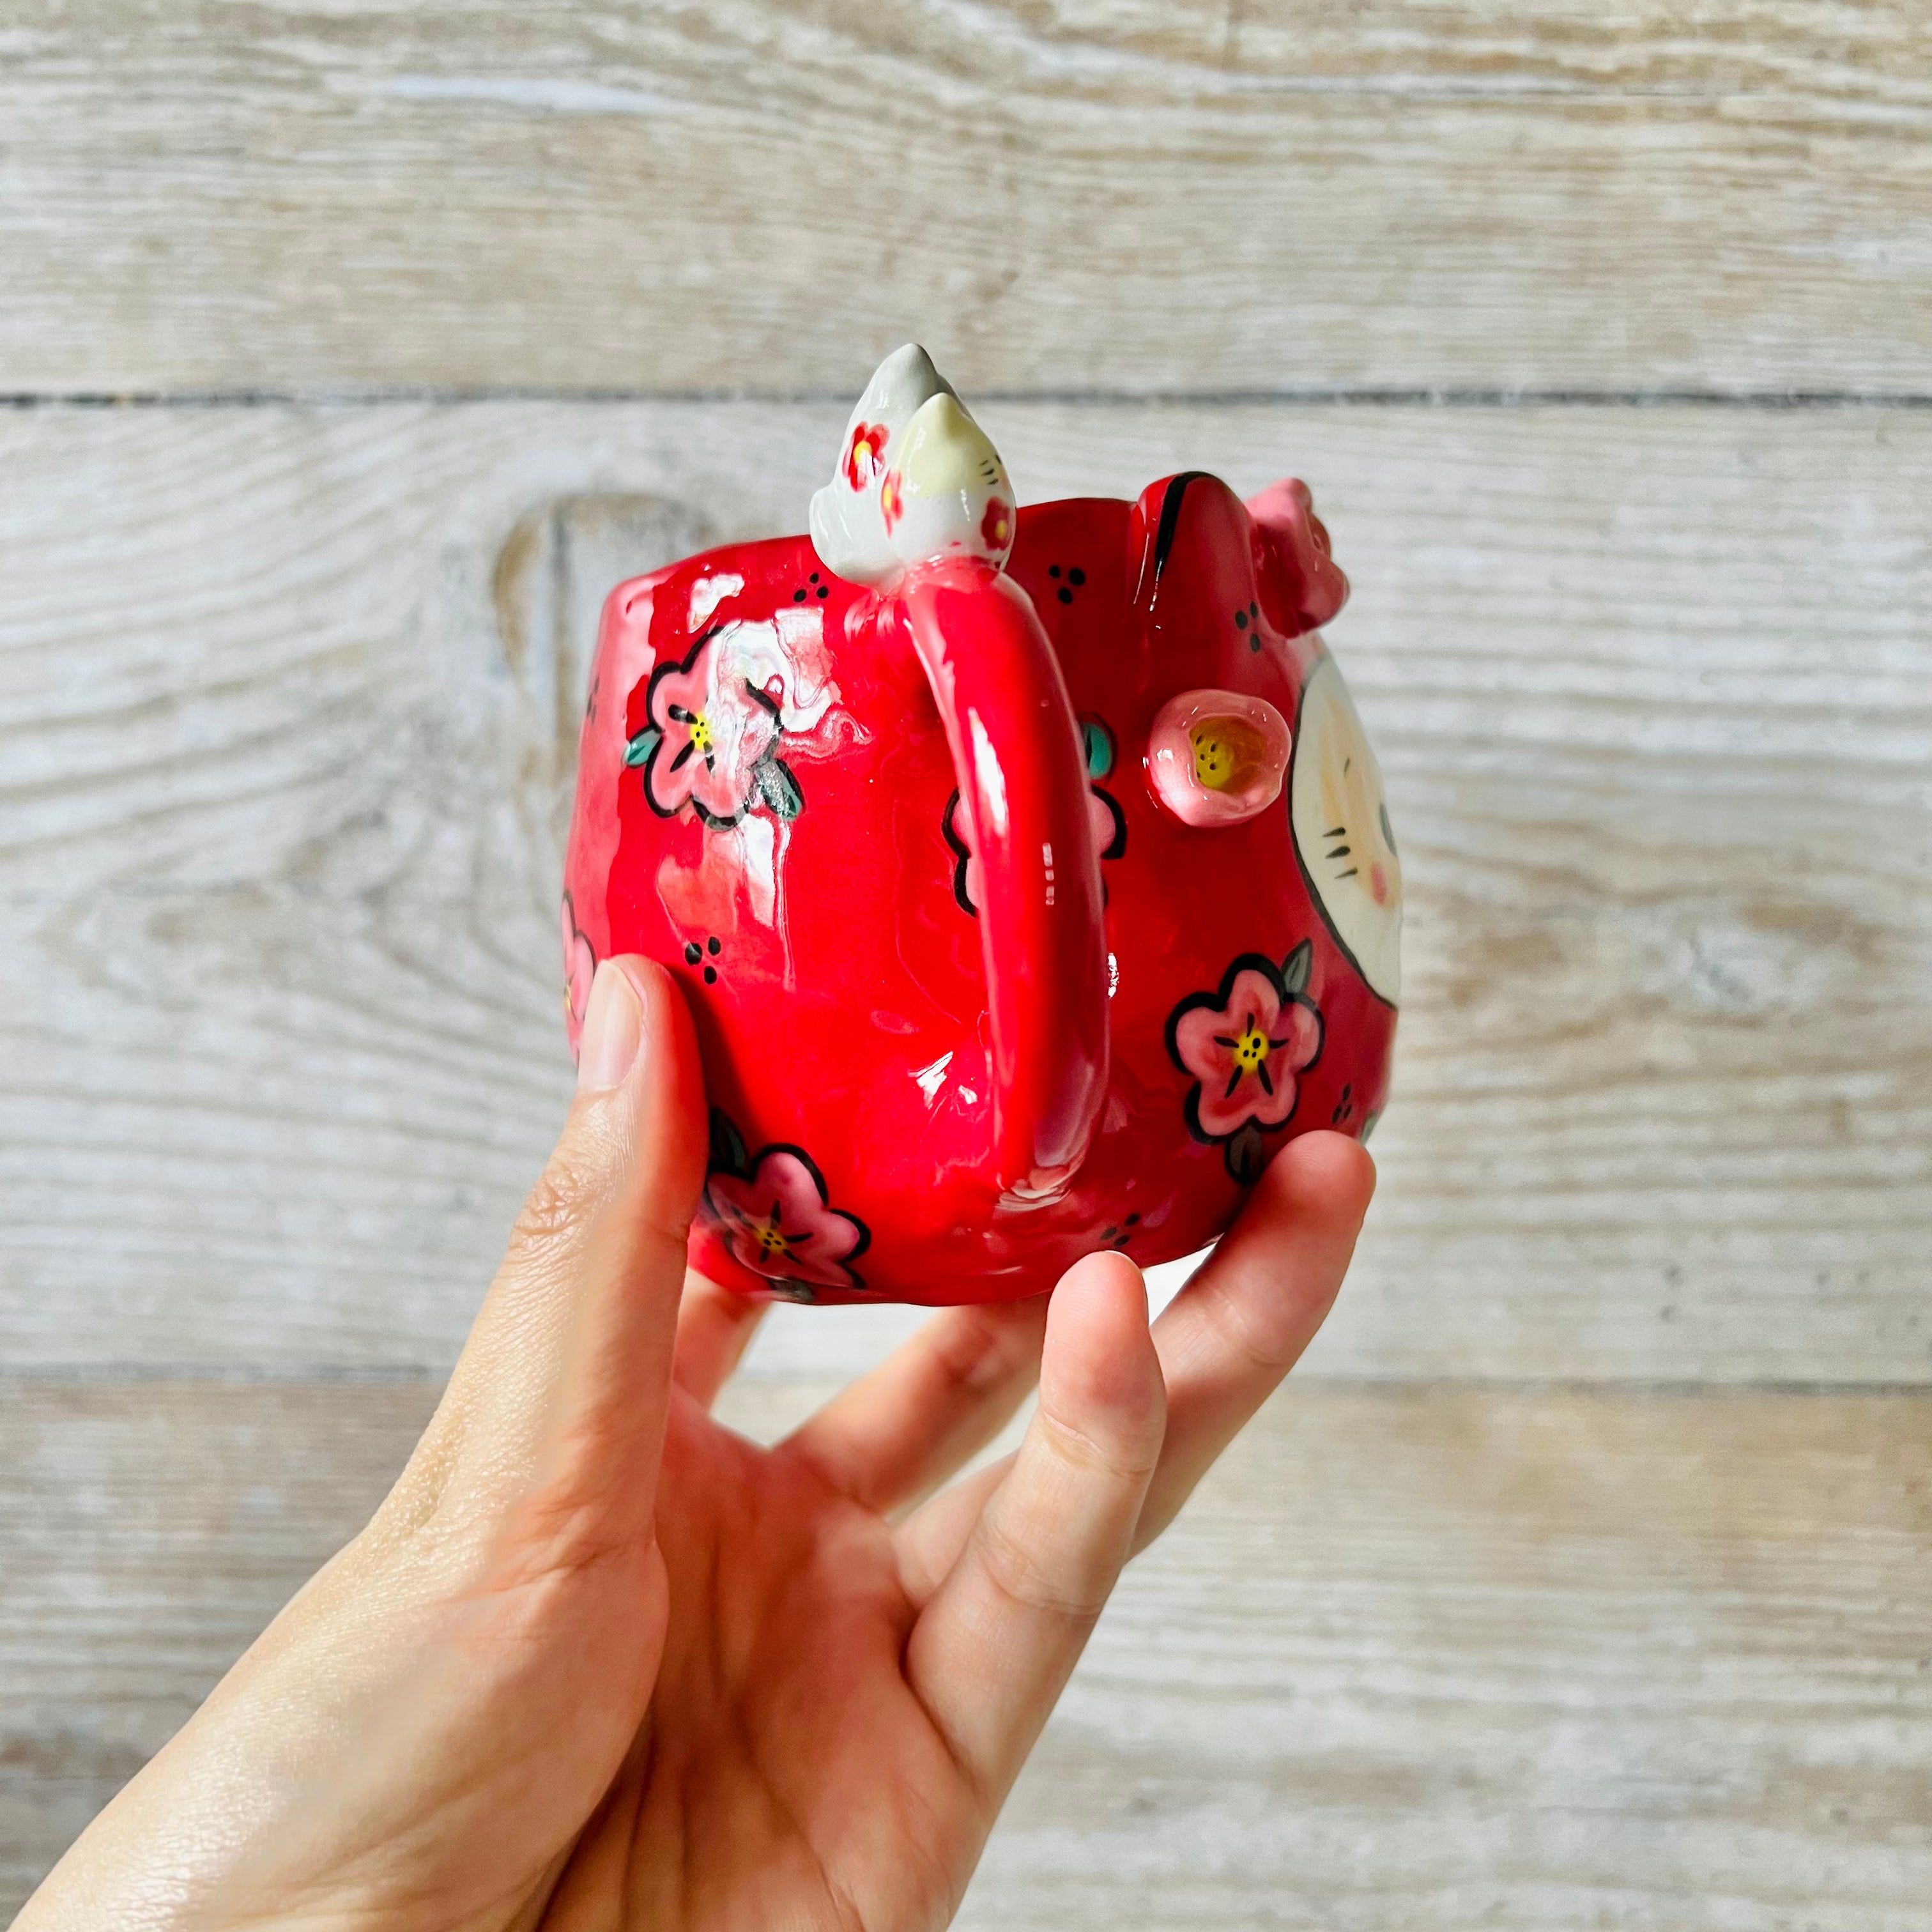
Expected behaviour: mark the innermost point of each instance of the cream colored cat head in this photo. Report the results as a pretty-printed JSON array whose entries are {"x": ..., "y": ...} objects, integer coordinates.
[
  {"x": 917, "y": 481},
  {"x": 1341, "y": 830}
]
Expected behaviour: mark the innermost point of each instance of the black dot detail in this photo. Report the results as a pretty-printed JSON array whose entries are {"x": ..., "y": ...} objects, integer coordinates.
[
  {"x": 1133, "y": 1220},
  {"x": 824, "y": 590},
  {"x": 1255, "y": 642},
  {"x": 1066, "y": 596},
  {"x": 1053, "y": 570},
  {"x": 692, "y": 952},
  {"x": 711, "y": 976},
  {"x": 714, "y": 947},
  {"x": 1255, "y": 611},
  {"x": 815, "y": 577},
  {"x": 1076, "y": 578},
  {"x": 1240, "y": 620},
  {"x": 798, "y": 596}
]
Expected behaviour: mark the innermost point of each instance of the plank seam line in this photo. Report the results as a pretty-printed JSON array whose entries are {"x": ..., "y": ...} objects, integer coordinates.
[{"x": 1341, "y": 396}]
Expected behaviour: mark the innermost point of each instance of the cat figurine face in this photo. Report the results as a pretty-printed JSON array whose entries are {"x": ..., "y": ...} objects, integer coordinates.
[
  {"x": 1027, "y": 869},
  {"x": 1342, "y": 833}
]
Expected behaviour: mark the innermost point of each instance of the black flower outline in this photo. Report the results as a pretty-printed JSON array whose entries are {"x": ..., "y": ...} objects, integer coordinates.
[
  {"x": 729, "y": 1160},
  {"x": 1241, "y": 1139}
]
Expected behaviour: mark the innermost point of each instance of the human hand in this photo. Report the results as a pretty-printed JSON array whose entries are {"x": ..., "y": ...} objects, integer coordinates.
[{"x": 598, "y": 1661}]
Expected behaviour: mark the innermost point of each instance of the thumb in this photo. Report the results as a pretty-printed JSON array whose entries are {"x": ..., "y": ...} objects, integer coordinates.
[{"x": 553, "y": 1420}]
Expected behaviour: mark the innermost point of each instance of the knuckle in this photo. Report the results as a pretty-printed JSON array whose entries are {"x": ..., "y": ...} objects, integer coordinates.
[
  {"x": 555, "y": 1208},
  {"x": 975, "y": 1357},
  {"x": 1127, "y": 1463},
  {"x": 566, "y": 1534},
  {"x": 1020, "y": 1574},
  {"x": 1267, "y": 1348}
]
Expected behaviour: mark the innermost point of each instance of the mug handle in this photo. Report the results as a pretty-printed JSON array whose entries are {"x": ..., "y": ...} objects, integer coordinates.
[{"x": 1016, "y": 755}]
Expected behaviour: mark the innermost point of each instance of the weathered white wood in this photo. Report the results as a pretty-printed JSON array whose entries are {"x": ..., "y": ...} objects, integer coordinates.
[
  {"x": 1080, "y": 194},
  {"x": 1413, "y": 1659},
  {"x": 279, "y": 807}
]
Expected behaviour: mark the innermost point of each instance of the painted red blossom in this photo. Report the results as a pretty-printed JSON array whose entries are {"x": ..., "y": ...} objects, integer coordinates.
[
  {"x": 996, "y": 526},
  {"x": 865, "y": 453},
  {"x": 892, "y": 500},
  {"x": 1247, "y": 1045},
  {"x": 777, "y": 1222},
  {"x": 711, "y": 741}
]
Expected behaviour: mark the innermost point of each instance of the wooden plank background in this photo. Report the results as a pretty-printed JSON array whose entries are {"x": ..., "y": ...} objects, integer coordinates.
[
  {"x": 1415, "y": 1657},
  {"x": 1098, "y": 195},
  {"x": 1583, "y": 1579}
]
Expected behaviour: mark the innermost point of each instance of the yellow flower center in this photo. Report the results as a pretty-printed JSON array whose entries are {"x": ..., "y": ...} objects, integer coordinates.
[
  {"x": 771, "y": 1243},
  {"x": 1251, "y": 1050},
  {"x": 1226, "y": 751},
  {"x": 701, "y": 733}
]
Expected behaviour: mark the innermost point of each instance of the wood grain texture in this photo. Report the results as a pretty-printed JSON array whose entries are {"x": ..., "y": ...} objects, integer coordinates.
[
  {"x": 288, "y": 697},
  {"x": 1055, "y": 194},
  {"x": 1417, "y": 1658}
]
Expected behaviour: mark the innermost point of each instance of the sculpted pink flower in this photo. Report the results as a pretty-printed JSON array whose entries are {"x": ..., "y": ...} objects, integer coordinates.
[
  {"x": 580, "y": 967},
  {"x": 1246, "y": 1045},
  {"x": 711, "y": 741},
  {"x": 1303, "y": 584},
  {"x": 777, "y": 1222}
]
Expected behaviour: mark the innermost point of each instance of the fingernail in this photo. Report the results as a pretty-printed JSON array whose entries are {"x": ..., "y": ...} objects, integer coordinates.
[{"x": 613, "y": 1025}]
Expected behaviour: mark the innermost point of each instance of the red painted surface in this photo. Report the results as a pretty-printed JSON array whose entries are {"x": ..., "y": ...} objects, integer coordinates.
[{"x": 837, "y": 914}]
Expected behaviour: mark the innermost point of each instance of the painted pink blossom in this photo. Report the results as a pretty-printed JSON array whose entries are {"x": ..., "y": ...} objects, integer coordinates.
[
  {"x": 1110, "y": 841},
  {"x": 580, "y": 967},
  {"x": 1246, "y": 1045},
  {"x": 711, "y": 741},
  {"x": 777, "y": 1222}
]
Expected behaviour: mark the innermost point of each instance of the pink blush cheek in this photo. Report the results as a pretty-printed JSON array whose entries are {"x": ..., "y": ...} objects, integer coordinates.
[{"x": 1378, "y": 885}]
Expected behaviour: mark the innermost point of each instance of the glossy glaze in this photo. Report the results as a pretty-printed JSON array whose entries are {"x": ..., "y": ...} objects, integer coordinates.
[{"x": 893, "y": 797}]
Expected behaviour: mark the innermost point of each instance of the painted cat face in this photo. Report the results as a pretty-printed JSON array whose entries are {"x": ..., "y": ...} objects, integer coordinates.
[{"x": 1341, "y": 830}]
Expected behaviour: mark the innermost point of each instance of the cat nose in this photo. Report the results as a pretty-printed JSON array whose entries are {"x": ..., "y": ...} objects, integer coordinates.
[{"x": 1217, "y": 758}]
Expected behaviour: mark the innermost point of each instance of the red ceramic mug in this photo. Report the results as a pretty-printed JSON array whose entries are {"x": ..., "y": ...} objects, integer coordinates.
[{"x": 1028, "y": 870}]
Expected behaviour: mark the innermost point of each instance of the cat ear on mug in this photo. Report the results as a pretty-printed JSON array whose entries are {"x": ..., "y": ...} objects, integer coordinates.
[{"x": 1185, "y": 531}]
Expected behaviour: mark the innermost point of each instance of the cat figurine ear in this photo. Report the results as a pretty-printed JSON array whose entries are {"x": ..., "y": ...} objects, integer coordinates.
[{"x": 917, "y": 481}]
